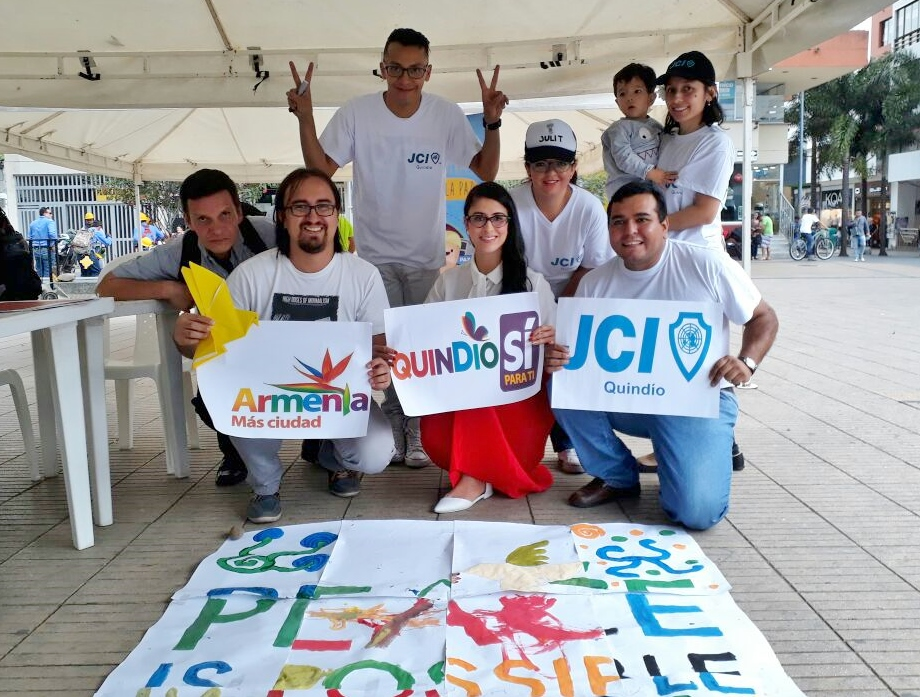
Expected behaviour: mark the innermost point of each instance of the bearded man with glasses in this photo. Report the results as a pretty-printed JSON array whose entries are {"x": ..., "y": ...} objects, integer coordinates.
[{"x": 401, "y": 142}]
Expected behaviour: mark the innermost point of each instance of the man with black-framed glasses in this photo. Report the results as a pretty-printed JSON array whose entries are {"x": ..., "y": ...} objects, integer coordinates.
[{"x": 401, "y": 142}]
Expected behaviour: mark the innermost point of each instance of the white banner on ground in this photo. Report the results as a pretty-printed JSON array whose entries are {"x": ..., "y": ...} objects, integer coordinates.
[
  {"x": 367, "y": 608},
  {"x": 291, "y": 380},
  {"x": 464, "y": 354},
  {"x": 639, "y": 356}
]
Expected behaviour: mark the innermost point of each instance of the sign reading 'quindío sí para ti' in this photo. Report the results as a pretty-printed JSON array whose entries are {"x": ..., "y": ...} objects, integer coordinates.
[{"x": 464, "y": 354}]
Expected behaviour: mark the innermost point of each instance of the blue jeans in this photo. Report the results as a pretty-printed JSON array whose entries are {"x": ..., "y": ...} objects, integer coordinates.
[
  {"x": 859, "y": 245},
  {"x": 42, "y": 256},
  {"x": 694, "y": 456},
  {"x": 809, "y": 244}
]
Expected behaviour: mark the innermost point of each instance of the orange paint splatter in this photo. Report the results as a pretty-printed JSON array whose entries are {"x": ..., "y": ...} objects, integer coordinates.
[
  {"x": 588, "y": 532},
  {"x": 636, "y": 533}
]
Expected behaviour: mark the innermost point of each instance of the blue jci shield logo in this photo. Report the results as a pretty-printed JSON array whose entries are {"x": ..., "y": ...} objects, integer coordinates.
[{"x": 690, "y": 337}]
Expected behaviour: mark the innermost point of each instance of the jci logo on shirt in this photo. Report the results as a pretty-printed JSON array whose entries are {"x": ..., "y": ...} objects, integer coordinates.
[{"x": 424, "y": 160}]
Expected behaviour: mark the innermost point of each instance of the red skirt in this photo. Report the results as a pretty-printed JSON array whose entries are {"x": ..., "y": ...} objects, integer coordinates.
[{"x": 500, "y": 445}]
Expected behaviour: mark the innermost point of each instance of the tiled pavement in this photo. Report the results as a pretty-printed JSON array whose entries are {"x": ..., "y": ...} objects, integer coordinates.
[{"x": 821, "y": 544}]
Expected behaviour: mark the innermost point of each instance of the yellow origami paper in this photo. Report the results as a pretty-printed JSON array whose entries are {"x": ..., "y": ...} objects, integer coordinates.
[{"x": 212, "y": 297}]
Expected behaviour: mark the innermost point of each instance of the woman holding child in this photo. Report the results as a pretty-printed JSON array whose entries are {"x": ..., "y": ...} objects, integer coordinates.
[
  {"x": 492, "y": 447},
  {"x": 697, "y": 148}
]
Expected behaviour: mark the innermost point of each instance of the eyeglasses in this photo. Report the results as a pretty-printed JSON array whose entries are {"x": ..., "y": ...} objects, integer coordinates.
[
  {"x": 499, "y": 220},
  {"x": 303, "y": 209},
  {"x": 546, "y": 165},
  {"x": 396, "y": 71}
]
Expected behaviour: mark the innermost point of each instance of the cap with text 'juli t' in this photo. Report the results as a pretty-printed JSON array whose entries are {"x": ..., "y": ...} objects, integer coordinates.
[{"x": 550, "y": 140}]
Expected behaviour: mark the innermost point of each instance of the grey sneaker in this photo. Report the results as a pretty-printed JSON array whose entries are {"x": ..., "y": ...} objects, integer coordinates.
[
  {"x": 344, "y": 483},
  {"x": 264, "y": 508},
  {"x": 398, "y": 426},
  {"x": 416, "y": 457}
]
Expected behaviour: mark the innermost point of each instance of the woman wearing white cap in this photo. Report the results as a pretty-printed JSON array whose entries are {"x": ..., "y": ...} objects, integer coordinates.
[
  {"x": 694, "y": 145},
  {"x": 564, "y": 228}
]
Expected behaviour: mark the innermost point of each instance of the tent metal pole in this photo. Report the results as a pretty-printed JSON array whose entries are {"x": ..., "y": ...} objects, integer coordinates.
[
  {"x": 747, "y": 189},
  {"x": 137, "y": 212}
]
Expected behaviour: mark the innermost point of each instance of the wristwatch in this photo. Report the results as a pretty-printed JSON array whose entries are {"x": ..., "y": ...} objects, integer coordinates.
[
  {"x": 749, "y": 362},
  {"x": 491, "y": 126}
]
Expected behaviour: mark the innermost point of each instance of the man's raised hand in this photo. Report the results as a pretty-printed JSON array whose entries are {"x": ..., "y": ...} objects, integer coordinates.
[
  {"x": 299, "y": 99},
  {"x": 494, "y": 100}
]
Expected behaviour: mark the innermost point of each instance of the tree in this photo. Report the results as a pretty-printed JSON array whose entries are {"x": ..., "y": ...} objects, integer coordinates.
[
  {"x": 870, "y": 113},
  {"x": 890, "y": 88},
  {"x": 159, "y": 200}
]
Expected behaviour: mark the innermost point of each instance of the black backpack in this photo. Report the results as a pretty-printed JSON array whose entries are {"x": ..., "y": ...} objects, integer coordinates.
[{"x": 191, "y": 252}]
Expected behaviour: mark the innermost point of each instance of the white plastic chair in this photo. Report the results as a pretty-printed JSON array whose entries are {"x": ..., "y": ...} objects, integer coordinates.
[
  {"x": 144, "y": 363},
  {"x": 11, "y": 378}
]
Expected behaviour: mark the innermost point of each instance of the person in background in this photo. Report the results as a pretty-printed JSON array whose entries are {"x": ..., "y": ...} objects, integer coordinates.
[
  {"x": 147, "y": 235},
  {"x": 809, "y": 225},
  {"x": 99, "y": 245},
  {"x": 346, "y": 234},
  {"x": 401, "y": 142},
  {"x": 563, "y": 227},
  {"x": 492, "y": 447},
  {"x": 756, "y": 233},
  {"x": 43, "y": 236},
  {"x": 766, "y": 239},
  {"x": 860, "y": 233}
]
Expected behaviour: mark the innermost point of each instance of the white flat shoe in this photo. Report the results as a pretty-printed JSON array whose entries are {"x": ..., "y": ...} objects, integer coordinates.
[{"x": 455, "y": 504}]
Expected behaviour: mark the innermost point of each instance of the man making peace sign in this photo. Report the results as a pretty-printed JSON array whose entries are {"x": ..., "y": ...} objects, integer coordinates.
[{"x": 401, "y": 142}]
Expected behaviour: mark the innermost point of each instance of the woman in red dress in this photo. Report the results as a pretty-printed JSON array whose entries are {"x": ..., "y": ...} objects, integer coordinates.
[{"x": 492, "y": 447}]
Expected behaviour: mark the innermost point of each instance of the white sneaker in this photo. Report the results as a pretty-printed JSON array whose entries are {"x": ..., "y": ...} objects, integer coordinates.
[
  {"x": 569, "y": 462},
  {"x": 397, "y": 425},
  {"x": 415, "y": 457}
]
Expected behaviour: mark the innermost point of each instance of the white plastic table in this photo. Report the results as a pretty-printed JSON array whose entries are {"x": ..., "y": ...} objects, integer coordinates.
[{"x": 60, "y": 388}]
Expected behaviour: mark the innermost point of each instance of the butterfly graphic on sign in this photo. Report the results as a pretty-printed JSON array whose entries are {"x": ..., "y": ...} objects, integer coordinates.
[{"x": 468, "y": 322}]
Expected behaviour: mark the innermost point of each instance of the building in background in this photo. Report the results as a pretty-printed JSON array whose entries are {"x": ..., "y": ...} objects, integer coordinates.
[{"x": 898, "y": 29}]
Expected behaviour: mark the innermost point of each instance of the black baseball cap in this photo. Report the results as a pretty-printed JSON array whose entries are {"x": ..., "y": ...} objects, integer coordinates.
[{"x": 692, "y": 65}]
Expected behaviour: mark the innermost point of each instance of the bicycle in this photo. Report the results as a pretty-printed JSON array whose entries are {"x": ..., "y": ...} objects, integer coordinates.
[{"x": 824, "y": 246}]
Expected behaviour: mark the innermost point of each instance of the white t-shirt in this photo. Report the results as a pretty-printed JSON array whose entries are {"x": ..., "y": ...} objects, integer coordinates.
[
  {"x": 349, "y": 289},
  {"x": 468, "y": 281},
  {"x": 808, "y": 220},
  {"x": 704, "y": 161},
  {"x": 400, "y": 171},
  {"x": 685, "y": 272},
  {"x": 577, "y": 237}
]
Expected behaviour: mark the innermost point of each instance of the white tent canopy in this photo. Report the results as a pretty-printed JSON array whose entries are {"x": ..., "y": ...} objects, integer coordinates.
[{"x": 172, "y": 85}]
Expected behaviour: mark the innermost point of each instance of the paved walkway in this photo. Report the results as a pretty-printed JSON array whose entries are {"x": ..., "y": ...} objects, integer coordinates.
[{"x": 820, "y": 545}]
